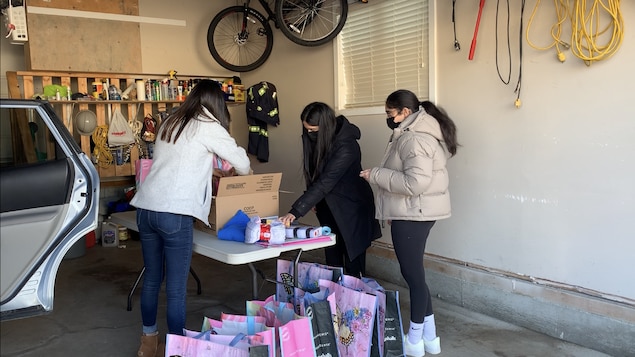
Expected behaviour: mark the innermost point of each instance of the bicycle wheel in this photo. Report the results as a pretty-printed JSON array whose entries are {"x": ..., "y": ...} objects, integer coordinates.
[
  {"x": 237, "y": 42},
  {"x": 311, "y": 22}
]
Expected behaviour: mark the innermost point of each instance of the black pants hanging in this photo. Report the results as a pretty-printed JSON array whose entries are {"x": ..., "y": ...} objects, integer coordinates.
[{"x": 409, "y": 239}]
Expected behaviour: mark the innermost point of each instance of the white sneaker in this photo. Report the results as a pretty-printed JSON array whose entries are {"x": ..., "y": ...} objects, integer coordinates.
[
  {"x": 416, "y": 350},
  {"x": 433, "y": 347}
]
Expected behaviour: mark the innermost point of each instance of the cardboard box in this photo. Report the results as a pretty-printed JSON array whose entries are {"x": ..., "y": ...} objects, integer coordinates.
[{"x": 253, "y": 194}]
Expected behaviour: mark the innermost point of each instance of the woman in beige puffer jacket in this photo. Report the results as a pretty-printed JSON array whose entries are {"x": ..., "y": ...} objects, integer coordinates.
[{"x": 412, "y": 194}]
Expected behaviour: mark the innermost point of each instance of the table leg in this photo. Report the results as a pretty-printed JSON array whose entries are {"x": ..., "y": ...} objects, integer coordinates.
[
  {"x": 134, "y": 286},
  {"x": 198, "y": 281}
]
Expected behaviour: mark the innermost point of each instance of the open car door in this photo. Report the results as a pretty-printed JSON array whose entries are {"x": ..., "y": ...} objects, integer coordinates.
[{"x": 49, "y": 199}]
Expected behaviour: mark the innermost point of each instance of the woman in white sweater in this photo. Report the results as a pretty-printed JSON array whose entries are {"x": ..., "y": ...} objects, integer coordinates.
[{"x": 177, "y": 190}]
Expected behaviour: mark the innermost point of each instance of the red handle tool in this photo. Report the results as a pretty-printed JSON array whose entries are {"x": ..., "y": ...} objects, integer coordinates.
[{"x": 478, "y": 22}]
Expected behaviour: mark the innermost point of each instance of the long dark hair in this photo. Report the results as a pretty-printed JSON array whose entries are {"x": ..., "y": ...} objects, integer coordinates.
[
  {"x": 321, "y": 115},
  {"x": 206, "y": 93},
  {"x": 406, "y": 99}
]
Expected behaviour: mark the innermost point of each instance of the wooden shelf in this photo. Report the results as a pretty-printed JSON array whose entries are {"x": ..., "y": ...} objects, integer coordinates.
[{"x": 25, "y": 84}]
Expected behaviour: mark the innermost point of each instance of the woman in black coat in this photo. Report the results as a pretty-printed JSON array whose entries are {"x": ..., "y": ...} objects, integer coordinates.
[{"x": 342, "y": 199}]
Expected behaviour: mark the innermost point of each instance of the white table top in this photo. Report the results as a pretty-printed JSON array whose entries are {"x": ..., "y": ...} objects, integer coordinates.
[{"x": 229, "y": 252}]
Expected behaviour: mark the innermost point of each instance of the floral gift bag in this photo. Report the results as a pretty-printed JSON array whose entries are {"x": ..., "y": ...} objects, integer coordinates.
[
  {"x": 354, "y": 319},
  {"x": 372, "y": 287}
]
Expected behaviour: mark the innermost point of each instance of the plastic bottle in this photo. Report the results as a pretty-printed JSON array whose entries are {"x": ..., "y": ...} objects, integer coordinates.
[
  {"x": 141, "y": 90},
  {"x": 58, "y": 96},
  {"x": 109, "y": 234}
]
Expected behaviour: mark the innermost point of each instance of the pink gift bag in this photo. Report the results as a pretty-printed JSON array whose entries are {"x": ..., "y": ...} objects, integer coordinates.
[
  {"x": 353, "y": 320},
  {"x": 308, "y": 276},
  {"x": 184, "y": 346},
  {"x": 276, "y": 313},
  {"x": 256, "y": 345},
  {"x": 237, "y": 324},
  {"x": 142, "y": 169},
  {"x": 296, "y": 338},
  {"x": 372, "y": 287}
]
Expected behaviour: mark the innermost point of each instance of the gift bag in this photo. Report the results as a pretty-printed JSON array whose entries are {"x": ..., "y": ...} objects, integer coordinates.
[
  {"x": 184, "y": 346},
  {"x": 296, "y": 338},
  {"x": 142, "y": 169},
  {"x": 353, "y": 320},
  {"x": 321, "y": 316},
  {"x": 119, "y": 132},
  {"x": 303, "y": 299},
  {"x": 256, "y": 345},
  {"x": 372, "y": 287},
  {"x": 276, "y": 313},
  {"x": 221, "y": 168},
  {"x": 393, "y": 337},
  {"x": 237, "y": 324},
  {"x": 309, "y": 275}
]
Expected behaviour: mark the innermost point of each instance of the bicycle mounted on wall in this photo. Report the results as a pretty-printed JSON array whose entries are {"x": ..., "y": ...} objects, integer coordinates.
[{"x": 241, "y": 39}]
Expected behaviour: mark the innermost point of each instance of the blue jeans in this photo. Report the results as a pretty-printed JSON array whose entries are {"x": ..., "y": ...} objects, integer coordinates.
[{"x": 166, "y": 242}]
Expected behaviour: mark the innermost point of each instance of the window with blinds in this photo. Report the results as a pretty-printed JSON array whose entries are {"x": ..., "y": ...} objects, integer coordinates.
[{"x": 383, "y": 47}]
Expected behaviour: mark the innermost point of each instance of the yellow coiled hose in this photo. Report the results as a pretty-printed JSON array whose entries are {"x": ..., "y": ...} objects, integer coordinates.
[{"x": 101, "y": 152}]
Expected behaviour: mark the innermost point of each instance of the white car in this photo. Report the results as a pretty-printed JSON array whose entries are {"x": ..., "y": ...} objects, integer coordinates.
[{"x": 49, "y": 200}]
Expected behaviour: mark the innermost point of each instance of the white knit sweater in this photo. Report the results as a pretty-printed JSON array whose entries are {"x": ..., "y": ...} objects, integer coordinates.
[{"x": 180, "y": 180}]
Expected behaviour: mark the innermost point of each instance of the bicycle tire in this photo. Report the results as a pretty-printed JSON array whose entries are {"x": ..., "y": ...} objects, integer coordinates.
[
  {"x": 311, "y": 22},
  {"x": 235, "y": 49}
]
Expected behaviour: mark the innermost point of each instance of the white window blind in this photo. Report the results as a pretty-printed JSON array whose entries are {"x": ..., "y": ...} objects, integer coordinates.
[{"x": 383, "y": 47}]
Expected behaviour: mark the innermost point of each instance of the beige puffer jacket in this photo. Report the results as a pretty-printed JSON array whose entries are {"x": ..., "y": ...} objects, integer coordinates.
[{"x": 412, "y": 181}]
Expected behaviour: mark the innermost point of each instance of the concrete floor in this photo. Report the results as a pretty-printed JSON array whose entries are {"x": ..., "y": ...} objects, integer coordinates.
[{"x": 90, "y": 316}]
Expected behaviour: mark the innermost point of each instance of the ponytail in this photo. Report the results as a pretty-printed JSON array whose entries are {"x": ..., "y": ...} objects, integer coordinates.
[{"x": 448, "y": 129}]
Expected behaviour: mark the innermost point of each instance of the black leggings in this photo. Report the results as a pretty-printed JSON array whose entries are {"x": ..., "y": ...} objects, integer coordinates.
[{"x": 409, "y": 239}]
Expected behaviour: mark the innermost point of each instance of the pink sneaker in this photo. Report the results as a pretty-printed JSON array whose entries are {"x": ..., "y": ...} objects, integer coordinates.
[
  {"x": 432, "y": 347},
  {"x": 416, "y": 350}
]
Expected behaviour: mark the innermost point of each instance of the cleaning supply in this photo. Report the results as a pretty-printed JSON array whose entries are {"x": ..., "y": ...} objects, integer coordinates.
[{"x": 109, "y": 234}]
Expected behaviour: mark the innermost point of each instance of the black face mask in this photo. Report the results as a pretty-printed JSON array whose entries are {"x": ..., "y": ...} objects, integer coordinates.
[
  {"x": 313, "y": 136},
  {"x": 390, "y": 121}
]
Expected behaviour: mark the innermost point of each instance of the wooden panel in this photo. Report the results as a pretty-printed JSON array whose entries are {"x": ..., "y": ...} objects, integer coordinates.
[
  {"x": 78, "y": 44},
  {"x": 27, "y": 85}
]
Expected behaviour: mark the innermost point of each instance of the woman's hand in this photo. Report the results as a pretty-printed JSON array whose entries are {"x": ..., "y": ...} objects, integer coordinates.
[
  {"x": 287, "y": 219},
  {"x": 365, "y": 174}
]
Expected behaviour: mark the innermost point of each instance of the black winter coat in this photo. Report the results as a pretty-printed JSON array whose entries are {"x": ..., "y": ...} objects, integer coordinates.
[{"x": 348, "y": 196}]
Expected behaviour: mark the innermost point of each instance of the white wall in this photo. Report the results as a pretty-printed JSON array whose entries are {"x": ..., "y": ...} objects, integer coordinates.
[{"x": 546, "y": 190}]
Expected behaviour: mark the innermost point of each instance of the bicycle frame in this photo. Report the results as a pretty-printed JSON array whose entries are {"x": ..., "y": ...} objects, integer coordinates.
[{"x": 271, "y": 15}]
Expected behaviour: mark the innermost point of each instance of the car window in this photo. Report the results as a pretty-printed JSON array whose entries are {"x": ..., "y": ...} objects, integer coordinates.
[{"x": 25, "y": 138}]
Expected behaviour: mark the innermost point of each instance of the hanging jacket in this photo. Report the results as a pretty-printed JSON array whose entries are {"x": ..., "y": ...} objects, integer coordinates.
[{"x": 262, "y": 109}]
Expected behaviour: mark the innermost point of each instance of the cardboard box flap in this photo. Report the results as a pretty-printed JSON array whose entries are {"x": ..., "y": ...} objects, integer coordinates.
[{"x": 241, "y": 185}]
